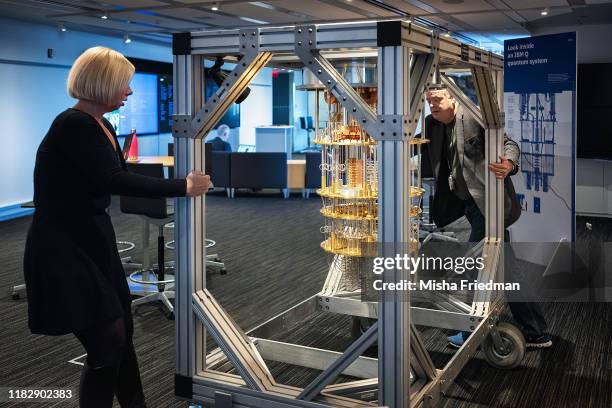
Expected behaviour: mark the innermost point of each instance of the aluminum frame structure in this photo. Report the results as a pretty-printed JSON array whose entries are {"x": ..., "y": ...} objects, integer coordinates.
[{"x": 409, "y": 58}]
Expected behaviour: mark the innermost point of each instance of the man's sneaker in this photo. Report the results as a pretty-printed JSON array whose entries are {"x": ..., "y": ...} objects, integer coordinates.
[
  {"x": 542, "y": 341},
  {"x": 457, "y": 340}
]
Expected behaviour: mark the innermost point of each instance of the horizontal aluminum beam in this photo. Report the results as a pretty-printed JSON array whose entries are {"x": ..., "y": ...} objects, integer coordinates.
[
  {"x": 281, "y": 39},
  {"x": 310, "y": 357},
  {"x": 205, "y": 387},
  {"x": 336, "y": 36}
]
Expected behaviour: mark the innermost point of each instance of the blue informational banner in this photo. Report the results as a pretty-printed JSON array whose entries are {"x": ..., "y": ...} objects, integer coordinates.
[
  {"x": 540, "y": 108},
  {"x": 540, "y": 64}
]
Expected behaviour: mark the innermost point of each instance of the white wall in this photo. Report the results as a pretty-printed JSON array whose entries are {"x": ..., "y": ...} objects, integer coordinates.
[
  {"x": 300, "y": 108},
  {"x": 256, "y": 110},
  {"x": 593, "y": 177},
  {"x": 593, "y": 41},
  {"x": 34, "y": 92}
]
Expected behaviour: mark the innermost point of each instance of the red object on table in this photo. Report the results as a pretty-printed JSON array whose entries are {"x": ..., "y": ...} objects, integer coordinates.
[{"x": 133, "y": 154}]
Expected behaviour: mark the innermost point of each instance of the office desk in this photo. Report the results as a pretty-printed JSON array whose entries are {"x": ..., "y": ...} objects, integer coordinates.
[
  {"x": 296, "y": 169},
  {"x": 296, "y": 173},
  {"x": 166, "y": 161}
]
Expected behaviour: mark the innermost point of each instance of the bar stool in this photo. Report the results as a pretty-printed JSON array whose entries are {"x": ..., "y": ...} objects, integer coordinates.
[
  {"x": 213, "y": 261},
  {"x": 154, "y": 211}
]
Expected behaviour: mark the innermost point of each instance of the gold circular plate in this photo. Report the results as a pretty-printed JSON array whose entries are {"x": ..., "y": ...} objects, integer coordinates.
[
  {"x": 345, "y": 142},
  {"x": 349, "y": 215},
  {"x": 326, "y": 192},
  {"x": 357, "y": 252}
]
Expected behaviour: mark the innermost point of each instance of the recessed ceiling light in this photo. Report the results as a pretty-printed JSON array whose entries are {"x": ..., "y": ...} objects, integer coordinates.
[
  {"x": 545, "y": 11},
  {"x": 252, "y": 20},
  {"x": 127, "y": 39},
  {"x": 215, "y": 6},
  {"x": 61, "y": 27},
  {"x": 104, "y": 16}
]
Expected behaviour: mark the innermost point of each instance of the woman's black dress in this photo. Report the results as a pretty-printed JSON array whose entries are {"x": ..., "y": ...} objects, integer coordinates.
[{"x": 73, "y": 273}]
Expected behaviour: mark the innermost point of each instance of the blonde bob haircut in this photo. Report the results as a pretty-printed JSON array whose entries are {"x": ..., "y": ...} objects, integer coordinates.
[{"x": 99, "y": 75}]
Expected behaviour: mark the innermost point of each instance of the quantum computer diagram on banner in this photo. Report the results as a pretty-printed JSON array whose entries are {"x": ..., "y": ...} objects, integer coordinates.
[{"x": 539, "y": 104}]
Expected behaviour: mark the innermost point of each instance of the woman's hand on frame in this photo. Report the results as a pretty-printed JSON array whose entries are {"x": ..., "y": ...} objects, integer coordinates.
[{"x": 198, "y": 183}]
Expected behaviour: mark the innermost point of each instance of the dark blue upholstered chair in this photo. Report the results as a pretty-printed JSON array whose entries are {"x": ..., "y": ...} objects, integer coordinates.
[
  {"x": 313, "y": 172},
  {"x": 221, "y": 170},
  {"x": 259, "y": 170}
]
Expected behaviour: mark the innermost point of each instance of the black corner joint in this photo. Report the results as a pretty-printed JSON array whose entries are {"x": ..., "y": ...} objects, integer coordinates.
[
  {"x": 181, "y": 43},
  {"x": 389, "y": 33},
  {"x": 183, "y": 386}
]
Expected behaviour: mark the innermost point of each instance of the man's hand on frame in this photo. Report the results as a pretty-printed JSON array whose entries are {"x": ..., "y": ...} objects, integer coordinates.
[{"x": 501, "y": 169}]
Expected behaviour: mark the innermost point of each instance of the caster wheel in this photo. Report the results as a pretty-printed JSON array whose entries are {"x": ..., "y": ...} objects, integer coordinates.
[
  {"x": 171, "y": 316},
  {"x": 223, "y": 271},
  {"x": 15, "y": 296},
  {"x": 514, "y": 347}
]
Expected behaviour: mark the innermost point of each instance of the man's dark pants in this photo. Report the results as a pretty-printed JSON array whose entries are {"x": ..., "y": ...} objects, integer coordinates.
[{"x": 527, "y": 314}]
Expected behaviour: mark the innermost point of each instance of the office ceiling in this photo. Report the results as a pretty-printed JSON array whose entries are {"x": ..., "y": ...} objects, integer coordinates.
[{"x": 486, "y": 21}]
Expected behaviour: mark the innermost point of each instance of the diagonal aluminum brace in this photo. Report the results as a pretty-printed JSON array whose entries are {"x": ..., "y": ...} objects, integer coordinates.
[
  {"x": 238, "y": 348},
  {"x": 463, "y": 100},
  {"x": 380, "y": 127},
  {"x": 492, "y": 116},
  {"x": 329, "y": 375},
  {"x": 422, "y": 69},
  {"x": 228, "y": 92}
]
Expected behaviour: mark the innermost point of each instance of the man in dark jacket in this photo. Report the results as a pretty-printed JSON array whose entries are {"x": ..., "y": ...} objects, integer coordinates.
[
  {"x": 456, "y": 153},
  {"x": 220, "y": 143}
]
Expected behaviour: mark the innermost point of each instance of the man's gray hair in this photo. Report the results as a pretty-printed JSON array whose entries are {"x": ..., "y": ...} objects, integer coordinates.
[{"x": 223, "y": 131}]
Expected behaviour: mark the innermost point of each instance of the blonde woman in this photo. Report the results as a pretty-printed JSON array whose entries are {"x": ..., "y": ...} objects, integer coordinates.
[{"x": 74, "y": 277}]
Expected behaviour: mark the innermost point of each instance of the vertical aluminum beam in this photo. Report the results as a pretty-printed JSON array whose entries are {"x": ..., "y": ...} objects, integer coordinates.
[
  {"x": 493, "y": 119},
  {"x": 393, "y": 230},
  {"x": 189, "y": 220}
]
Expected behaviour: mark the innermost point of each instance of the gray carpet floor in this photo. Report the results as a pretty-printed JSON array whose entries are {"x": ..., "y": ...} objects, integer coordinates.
[{"x": 272, "y": 254}]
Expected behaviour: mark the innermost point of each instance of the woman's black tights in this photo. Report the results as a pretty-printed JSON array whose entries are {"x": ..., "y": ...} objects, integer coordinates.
[{"x": 111, "y": 367}]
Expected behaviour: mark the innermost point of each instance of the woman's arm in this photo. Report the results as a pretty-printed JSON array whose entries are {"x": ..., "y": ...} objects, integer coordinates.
[{"x": 84, "y": 144}]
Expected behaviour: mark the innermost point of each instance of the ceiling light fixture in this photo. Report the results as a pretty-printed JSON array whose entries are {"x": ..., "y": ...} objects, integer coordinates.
[
  {"x": 127, "y": 39},
  {"x": 104, "y": 16},
  {"x": 252, "y": 20},
  {"x": 215, "y": 7},
  {"x": 61, "y": 27},
  {"x": 545, "y": 11}
]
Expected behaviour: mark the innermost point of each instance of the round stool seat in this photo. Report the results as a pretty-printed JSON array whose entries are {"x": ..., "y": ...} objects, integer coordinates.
[
  {"x": 141, "y": 281},
  {"x": 128, "y": 246},
  {"x": 209, "y": 244}
]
